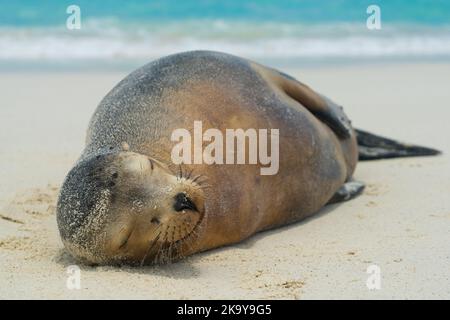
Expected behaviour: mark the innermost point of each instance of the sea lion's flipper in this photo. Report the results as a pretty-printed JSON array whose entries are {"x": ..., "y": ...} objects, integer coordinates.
[
  {"x": 347, "y": 191},
  {"x": 322, "y": 107},
  {"x": 372, "y": 147}
]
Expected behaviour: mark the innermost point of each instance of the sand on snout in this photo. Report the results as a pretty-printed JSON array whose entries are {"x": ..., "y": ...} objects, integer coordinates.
[{"x": 400, "y": 224}]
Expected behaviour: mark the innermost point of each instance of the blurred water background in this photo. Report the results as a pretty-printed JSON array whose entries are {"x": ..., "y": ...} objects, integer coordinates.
[{"x": 125, "y": 34}]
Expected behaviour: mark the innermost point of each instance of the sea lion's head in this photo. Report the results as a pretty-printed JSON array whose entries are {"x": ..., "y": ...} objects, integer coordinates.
[{"x": 125, "y": 207}]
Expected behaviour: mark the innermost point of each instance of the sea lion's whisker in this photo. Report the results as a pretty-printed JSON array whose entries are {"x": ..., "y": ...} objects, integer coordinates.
[
  {"x": 196, "y": 178},
  {"x": 169, "y": 251},
  {"x": 164, "y": 243},
  {"x": 190, "y": 173},
  {"x": 200, "y": 176},
  {"x": 152, "y": 243},
  {"x": 159, "y": 252},
  {"x": 180, "y": 172}
]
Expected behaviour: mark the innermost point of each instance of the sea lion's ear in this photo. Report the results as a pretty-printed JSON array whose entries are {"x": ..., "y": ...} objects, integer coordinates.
[{"x": 323, "y": 108}]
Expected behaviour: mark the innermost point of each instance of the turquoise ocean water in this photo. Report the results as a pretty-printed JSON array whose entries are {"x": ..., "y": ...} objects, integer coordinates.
[{"x": 127, "y": 33}]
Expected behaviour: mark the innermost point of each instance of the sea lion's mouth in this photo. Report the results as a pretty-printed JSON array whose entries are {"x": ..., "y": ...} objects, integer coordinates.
[
  {"x": 167, "y": 250},
  {"x": 192, "y": 232}
]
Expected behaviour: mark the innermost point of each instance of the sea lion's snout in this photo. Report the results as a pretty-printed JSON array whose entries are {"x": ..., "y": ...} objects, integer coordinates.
[{"x": 127, "y": 207}]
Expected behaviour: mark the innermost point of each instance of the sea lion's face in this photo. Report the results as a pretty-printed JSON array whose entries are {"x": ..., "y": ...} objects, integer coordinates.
[{"x": 128, "y": 208}]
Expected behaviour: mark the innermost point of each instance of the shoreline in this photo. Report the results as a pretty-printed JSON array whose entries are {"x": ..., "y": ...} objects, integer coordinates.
[{"x": 300, "y": 63}]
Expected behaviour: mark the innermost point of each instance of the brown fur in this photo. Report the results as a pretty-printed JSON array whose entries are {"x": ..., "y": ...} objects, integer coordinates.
[{"x": 235, "y": 201}]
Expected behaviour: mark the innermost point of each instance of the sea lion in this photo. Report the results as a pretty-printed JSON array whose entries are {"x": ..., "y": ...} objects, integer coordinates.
[{"x": 125, "y": 201}]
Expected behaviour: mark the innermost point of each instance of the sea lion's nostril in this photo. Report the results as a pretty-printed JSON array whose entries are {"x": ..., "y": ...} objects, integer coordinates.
[
  {"x": 183, "y": 202},
  {"x": 115, "y": 175}
]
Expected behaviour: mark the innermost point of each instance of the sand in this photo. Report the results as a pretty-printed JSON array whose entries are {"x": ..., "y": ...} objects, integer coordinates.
[{"x": 401, "y": 223}]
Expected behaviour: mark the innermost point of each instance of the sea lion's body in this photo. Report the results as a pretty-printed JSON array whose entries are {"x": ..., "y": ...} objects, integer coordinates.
[{"x": 224, "y": 92}]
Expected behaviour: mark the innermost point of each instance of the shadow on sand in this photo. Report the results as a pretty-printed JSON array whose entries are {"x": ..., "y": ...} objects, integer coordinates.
[{"x": 186, "y": 269}]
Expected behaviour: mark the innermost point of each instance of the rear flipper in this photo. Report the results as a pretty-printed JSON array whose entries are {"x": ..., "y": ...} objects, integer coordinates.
[
  {"x": 372, "y": 147},
  {"x": 323, "y": 108},
  {"x": 347, "y": 191}
]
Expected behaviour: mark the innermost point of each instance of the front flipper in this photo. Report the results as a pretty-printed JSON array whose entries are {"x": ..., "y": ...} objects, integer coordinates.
[
  {"x": 347, "y": 191},
  {"x": 322, "y": 107}
]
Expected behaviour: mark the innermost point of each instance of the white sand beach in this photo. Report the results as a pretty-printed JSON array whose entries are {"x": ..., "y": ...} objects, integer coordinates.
[{"x": 401, "y": 223}]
